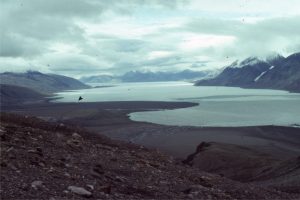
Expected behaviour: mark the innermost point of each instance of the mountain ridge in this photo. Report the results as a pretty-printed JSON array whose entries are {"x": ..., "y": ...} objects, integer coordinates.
[
  {"x": 148, "y": 76},
  {"x": 276, "y": 73},
  {"x": 13, "y": 95},
  {"x": 42, "y": 83}
]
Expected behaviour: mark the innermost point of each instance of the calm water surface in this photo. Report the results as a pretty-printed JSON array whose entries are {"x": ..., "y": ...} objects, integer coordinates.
[{"x": 218, "y": 106}]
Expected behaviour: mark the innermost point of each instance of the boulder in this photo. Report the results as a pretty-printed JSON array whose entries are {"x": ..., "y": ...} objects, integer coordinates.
[{"x": 80, "y": 191}]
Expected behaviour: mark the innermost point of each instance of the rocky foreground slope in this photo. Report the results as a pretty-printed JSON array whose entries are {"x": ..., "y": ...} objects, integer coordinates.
[
  {"x": 247, "y": 165},
  {"x": 41, "y": 160}
]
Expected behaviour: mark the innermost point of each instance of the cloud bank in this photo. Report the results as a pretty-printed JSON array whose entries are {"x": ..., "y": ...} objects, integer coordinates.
[{"x": 78, "y": 38}]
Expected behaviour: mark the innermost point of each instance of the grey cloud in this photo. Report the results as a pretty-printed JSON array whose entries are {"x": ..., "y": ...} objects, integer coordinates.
[
  {"x": 259, "y": 39},
  {"x": 69, "y": 62},
  {"x": 213, "y": 26},
  {"x": 55, "y": 20},
  {"x": 126, "y": 65},
  {"x": 162, "y": 61},
  {"x": 26, "y": 28},
  {"x": 274, "y": 26},
  {"x": 158, "y": 62},
  {"x": 13, "y": 45},
  {"x": 30, "y": 27},
  {"x": 169, "y": 63},
  {"x": 9, "y": 47},
  {"x": 129, "y": 45},
  {"x": 121, "y": 45}
]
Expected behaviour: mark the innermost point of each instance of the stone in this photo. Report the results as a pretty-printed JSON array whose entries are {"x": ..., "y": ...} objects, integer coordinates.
[
  {"x": 37, "y": 184},
  {"x": 66, "y": 191},
  {"x": 76, "y": 136},
  {"x": 41, "y": 164},
  {"x": 120, "y": 179},
  {"x": 91, "y": 187},
  {"x": 73, "y": 143},
  {"x": 67, "y": 174},
  {"x": 10, "y": 149},
  {"x": 80, "y": 191}
]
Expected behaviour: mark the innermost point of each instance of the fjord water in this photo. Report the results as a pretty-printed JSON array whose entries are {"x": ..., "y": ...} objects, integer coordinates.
[{"x": 218, "y": 106}]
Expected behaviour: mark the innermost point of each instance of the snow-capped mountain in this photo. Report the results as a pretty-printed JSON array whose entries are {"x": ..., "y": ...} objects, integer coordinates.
[
  {"x": 275, "y": 72},
  {"x": 239, "y": 73}
]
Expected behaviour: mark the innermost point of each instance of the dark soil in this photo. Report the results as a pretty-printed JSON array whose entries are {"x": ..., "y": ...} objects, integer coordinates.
[{"x": 42, "y": 160}]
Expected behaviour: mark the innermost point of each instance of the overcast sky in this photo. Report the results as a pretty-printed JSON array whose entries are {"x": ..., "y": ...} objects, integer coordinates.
[{"x": 88, "y": 37}]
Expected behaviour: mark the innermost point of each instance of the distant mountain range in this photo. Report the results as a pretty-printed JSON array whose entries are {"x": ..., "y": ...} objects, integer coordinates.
[
  {"x": 41, "y": 83},
  {"x": 99, "y": 79},
  {"x": 275, "y": 72},
  {"x": 138, "y": 76}
]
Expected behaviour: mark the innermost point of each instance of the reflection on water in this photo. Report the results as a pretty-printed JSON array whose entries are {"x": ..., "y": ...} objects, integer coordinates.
[{"x": 219, "y": 106}]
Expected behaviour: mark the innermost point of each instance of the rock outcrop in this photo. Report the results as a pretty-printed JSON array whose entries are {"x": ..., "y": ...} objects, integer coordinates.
[{"x": 247, "y": 165}]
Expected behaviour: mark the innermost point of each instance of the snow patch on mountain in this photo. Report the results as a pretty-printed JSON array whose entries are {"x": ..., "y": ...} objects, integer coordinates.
[
  {"x": 263, "y": 73},
  {"x": 257, "y": 78}
]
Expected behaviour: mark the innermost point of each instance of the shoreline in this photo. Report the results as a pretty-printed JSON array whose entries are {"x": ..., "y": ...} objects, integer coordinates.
[
  {"x": 111, "y": 119},
  {"x": 293, "y": 125}
]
